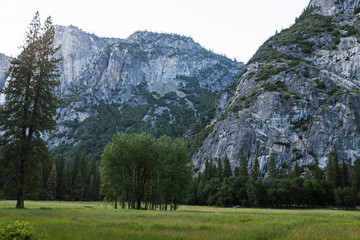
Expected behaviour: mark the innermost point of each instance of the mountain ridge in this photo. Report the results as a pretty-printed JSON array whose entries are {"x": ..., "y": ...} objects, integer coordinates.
[
  {"x": 297, "y": 98},
  {"x": 153, "y": 82}
]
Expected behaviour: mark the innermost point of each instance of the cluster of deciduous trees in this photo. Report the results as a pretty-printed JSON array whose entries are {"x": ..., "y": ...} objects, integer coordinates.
[
  {"x": 146, "y": 172},
  {"x": 305, "y": 186}
]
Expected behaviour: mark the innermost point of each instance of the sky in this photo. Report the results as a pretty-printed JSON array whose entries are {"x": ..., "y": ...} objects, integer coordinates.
[{"x": 235, "y": 28}]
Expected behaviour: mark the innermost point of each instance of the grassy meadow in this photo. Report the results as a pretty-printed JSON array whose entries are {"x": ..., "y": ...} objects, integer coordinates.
[{"x": 94, "y": 220}]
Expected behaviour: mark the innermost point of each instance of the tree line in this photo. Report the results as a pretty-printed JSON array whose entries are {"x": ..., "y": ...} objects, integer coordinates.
[
  {"x": 306, "y": 186},
  {"x": 57, "y": 178}
]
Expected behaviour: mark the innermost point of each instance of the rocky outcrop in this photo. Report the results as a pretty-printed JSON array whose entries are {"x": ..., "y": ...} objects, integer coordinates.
[
  {"x": 159, "y": 83},
  {"x": 4, "y": 67},
  {"x": 299, "y": 96}
]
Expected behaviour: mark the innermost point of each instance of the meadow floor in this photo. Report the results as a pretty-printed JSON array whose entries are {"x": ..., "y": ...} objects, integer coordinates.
[{"x": 93, "y": 220}]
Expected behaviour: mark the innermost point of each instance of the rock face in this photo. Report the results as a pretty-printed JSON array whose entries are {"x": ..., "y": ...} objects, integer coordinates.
[
  {"x": 299, "y": 97},
  {"x": 4, "y": 67},
  {"x": 159, "y": 83}
]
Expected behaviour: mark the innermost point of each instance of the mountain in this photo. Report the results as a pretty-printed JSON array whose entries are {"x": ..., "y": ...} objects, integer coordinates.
[
  {"x": 4, "y": 67},
  {"x": 158, "y": 83},
  {"x": 298, "y": 98}
]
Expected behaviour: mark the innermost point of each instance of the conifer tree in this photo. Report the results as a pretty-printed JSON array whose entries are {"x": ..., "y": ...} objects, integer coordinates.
[
  {"x": 78, "y": 187},
  {"x": 334, "y": 170},
  {"x": 357, "y": 175},
  {"x": 63, "y": 186},
  {"x": 272, "y": 171},
  {"x": 244, "y": 168},
  {"x": 83, "y": 168},
  {"x": 92, "y": 175},
  {"x": 219, "y": 168},
  {"x": 344, "y": 174},
  {"x": 75, "y": 165},
  {"x": 51, "y": 183},
  {"x": 30, "y": 106},
  {"x": 227, "y": 167},
  {"x": 318, "y": 173},
  {"x": 60, "y": 164},
  {"x": 255, "y": 171},
  {"x": 297, "y": 170}
]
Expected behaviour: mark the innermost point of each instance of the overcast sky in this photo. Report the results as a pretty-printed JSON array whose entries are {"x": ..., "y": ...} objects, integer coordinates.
[{"x": 235, "y": 28}]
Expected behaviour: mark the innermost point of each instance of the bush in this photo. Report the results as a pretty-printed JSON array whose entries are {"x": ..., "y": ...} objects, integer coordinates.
[
  {"x": 18, "y": 231},
  {"x": 350, "y": 30},
  {"x": 268, "y": 71},
  {"x": 357, "y": 10},
  {"x": 320, "y": 84}
]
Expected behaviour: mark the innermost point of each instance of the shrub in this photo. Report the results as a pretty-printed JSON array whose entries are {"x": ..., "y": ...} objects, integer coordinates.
[
  {"x": 357, "y": 10},
  {"x": 270, "y": 87},
  {"x": 19, "y": 231},
  {"x": 349, "y": 29},
  {"x": 320, "y": 84},
  {"x": 269, "y": 70}
]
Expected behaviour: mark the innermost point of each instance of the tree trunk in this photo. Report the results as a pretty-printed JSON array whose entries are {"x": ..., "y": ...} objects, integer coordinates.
[
  {"x": 115, "y": 203},
  {"x": 20, "y": 199},
  {"x": 139, "y": 204},
  {"x": 21, "y": 192},
  {"x": 165, "y": 206}
]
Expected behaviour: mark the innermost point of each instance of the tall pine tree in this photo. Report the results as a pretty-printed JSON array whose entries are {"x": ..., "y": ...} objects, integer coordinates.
[
  {"x": 30, "y": 106},
  {"x": 255, "y": 171},
  {"x": 272, "y": 171},
  {"x": 51, "y": 183}
]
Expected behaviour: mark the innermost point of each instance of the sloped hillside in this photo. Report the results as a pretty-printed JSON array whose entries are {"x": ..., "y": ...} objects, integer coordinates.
[{"x": 298, "y": 98}]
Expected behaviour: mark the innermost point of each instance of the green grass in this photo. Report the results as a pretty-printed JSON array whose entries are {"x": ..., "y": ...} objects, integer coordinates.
[{"x": 89, "y": 220}]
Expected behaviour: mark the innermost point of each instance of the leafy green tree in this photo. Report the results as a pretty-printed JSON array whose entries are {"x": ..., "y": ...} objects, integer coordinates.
[
  {"x": 140, "y": 168},
  {"x": 179, "y": 174},
  {"x": 30, "y": 106}
]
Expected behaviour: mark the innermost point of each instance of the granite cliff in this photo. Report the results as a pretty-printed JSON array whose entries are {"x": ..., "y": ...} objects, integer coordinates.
[
  {"x": 159, "y": 83},
  {"x": 298, "y": 97}
]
